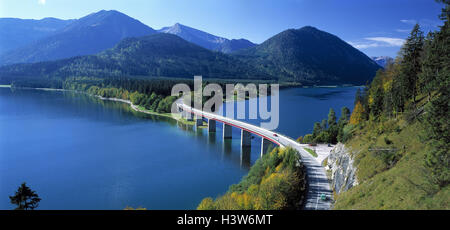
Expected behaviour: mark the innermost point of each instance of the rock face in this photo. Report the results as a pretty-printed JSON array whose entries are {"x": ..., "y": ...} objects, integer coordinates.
[{"x": 340, "y": 165}]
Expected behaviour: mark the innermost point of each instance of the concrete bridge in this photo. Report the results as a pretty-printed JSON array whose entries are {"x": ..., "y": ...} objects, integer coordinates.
[{"x": 318, "y": 183}]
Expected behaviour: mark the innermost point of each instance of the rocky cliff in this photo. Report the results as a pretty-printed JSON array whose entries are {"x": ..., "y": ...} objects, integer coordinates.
[{"x": 341, "y": 171}]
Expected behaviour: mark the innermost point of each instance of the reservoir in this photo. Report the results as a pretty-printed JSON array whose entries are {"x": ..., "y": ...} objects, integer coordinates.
[{"x": 79, "y": 152}]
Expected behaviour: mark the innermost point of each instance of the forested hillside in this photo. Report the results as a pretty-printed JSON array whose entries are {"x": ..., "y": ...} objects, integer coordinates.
[
  {"x": 311, "y": 55},
  {"x": 398, "y": 132},
  {"x": 305, "y": 56}
]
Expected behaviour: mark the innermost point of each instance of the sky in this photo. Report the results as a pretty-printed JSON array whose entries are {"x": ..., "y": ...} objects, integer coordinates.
[{"x": 376, "y": 27}]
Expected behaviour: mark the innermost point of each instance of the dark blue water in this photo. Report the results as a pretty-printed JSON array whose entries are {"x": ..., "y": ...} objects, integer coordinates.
[
  {"x": 79, "y": 152},
  {"x": 301, "y": 107}
]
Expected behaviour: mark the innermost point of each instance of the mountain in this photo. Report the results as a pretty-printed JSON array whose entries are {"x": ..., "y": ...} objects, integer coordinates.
[
  {"x": 160, "y": 54},
  {"x": 207, "y": 40},
  {"x": 88, "y": 35},
  {"x": 15, "y": 32},
  {"x": 310, "y": 55},
  {"x": 383, "y": 60},
  {"x": 305, "y": 55}
]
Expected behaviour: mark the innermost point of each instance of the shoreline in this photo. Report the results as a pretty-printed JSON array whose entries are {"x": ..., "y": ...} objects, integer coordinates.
[{"x": 133, "y": 106}]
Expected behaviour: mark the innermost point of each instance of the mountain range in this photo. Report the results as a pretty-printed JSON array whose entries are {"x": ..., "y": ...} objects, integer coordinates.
[
  {"x": 207, "y": 40},
  {"x": 87, "y": 35},
  {"x": 15, "y": 33},
  {"x": 383, "y": 60},
  {"x": 109, "y": 43}
]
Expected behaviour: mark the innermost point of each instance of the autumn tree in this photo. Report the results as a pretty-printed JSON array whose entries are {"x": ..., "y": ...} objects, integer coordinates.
[{"x": 357, "y": 115}]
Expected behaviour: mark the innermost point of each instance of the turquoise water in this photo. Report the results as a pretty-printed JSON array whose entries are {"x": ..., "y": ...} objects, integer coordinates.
[{"x": 79, "y": 152}]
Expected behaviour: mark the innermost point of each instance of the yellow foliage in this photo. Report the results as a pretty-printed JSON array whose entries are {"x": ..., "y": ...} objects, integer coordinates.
[
  {"x": 357, "y": 114},
  {"x": 277, "y": 169},
  {"x": 371, "y": 100},
  {"x": 131, "y": 208},
  {"x": 387, "y": 85}
]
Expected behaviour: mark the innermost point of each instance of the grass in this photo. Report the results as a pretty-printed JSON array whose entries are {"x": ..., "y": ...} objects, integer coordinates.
[
  {"x": 312, "y": 152},
  {"x": 392, "y": 179}
]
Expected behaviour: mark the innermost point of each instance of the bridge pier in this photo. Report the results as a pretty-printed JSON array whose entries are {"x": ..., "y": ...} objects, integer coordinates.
[
  {"x": 211, "y": 125},
  {"x": 226, "y": 131},
  {"x": 265, "y": 144},
  {"x": 198, "y": 121},
  {"x": 246, "y": 138},
  {"x": 189, "y": 116}
]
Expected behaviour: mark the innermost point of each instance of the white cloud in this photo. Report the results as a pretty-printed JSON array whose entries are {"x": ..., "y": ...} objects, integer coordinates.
[
  {"x": 42, "y": 2},
  {"x": 409, "y": 21},
  {"x": 388, "y": 41},
  {"x": 373, "y": 42},
  {"x": 403, "y": 30}
]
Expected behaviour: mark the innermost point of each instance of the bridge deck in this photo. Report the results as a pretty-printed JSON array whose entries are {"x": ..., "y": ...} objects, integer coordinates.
[{"x": 317, "y": 179}]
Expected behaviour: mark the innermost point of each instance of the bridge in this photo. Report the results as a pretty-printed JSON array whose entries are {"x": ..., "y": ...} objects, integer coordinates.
[{"x": 316, "y": 176}]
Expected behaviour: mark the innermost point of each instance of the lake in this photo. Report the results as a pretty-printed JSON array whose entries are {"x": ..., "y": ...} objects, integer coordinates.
[{"x": 79, "y": 152}]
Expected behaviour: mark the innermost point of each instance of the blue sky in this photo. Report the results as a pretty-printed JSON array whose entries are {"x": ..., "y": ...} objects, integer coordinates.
[{"x": 376, "y": 27}]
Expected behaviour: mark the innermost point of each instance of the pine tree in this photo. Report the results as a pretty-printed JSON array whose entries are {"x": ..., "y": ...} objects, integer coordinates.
[
  {"x": 410, "y": 65},
  {"x": 331, "y": 118},
  {"x": 358, "y": 97},
  {"x": 430, "y": 65},
  {"x": 25, "y": 198},
  {"x": 437, "y": 118},
  {"x": 316, "y": 130},
  {"x": 345, "y": 115},
  {"x": 323, "y": 124}
]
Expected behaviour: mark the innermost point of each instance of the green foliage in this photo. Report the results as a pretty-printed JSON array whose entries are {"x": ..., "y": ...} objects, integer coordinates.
[
  {"x": 415, "y": 88},
  {"x": 328, "y": 131},
  {"x": 392, "y": 174},
  {"x": 317, "y": 129},
  {"x": 410, "y": 64},
  {"x": 312, "y": 152},
  {"x": 331, "y": 118},
  {"x": 437, "y": 121},
  {"x": 25, "y": 198},
  {"x": 275, "y": 182},
  {"x": 308, "y": 139}
]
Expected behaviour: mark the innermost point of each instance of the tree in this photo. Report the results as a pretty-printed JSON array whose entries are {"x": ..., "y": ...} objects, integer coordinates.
[
  {"x": 331, "y": 118},
  {"x": 345, "y": 114},
  {"x": 438, "y": 124},
  {"x": 323, "y": 124},
  {"x": 376, "y": 94},
  {"x": 343, "y": 121},
  {"x": 25, "y": 198},
  {"x": 410, "y": 65},
  {"x": 430, "y": 65},
  {"x": 307, "y": 139},
  {"x": 437, "y": 118},
  {"x": 357, "y": 115},
  {"x": 317, "y": 129},
  {"x": 358, "y": 97}
]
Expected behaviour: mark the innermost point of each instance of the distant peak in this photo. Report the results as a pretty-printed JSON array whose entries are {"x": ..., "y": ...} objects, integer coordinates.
[
  {"x": 308, "y": 28},
  {"x": 108, "y": 13}
]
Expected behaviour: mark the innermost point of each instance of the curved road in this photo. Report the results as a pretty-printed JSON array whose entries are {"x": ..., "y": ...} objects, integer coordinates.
[{"x": 317, "y": 179}]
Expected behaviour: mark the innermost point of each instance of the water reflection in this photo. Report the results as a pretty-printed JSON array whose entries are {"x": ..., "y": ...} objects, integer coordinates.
[{"x": 245, "y": 157}]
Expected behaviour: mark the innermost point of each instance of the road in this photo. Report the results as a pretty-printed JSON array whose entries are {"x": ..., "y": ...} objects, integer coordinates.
[{"x": 317, "y": 179}]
